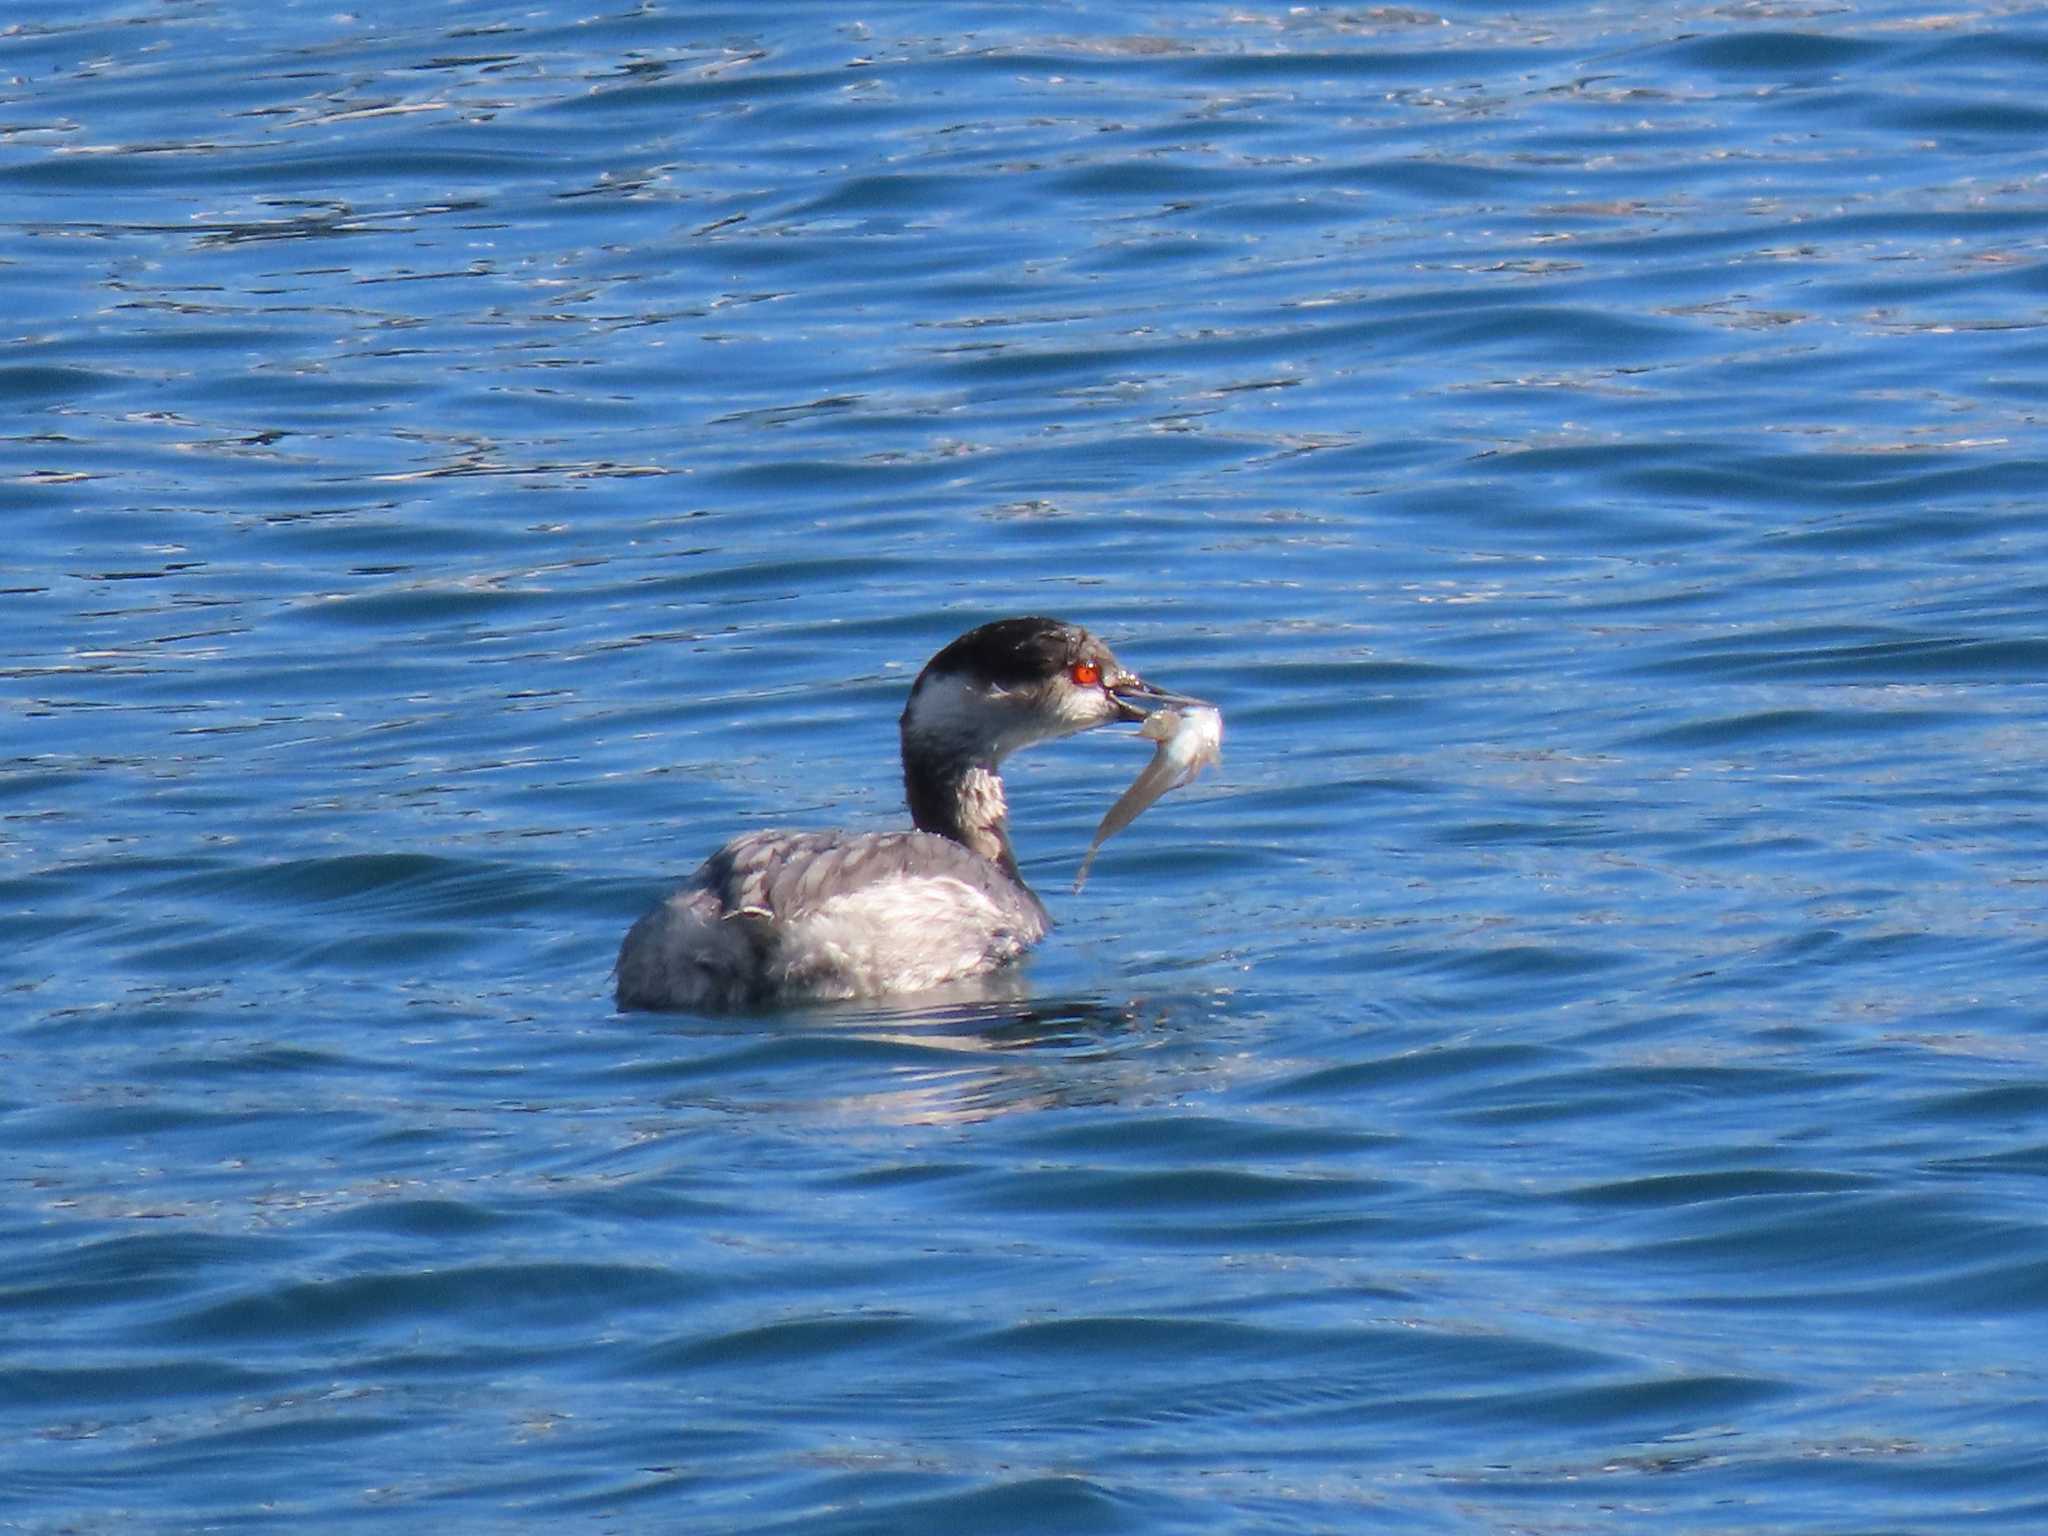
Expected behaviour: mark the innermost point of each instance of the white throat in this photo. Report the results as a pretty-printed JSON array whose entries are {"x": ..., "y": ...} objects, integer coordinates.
[{"x": 951, "y": 719}]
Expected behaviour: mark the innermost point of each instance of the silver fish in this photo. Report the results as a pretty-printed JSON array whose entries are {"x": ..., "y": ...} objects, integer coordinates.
[{"x": 1190, "y": 738}]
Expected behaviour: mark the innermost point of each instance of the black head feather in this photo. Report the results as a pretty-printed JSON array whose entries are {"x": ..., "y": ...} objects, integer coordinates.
[{"x": 1012, "y": 652}]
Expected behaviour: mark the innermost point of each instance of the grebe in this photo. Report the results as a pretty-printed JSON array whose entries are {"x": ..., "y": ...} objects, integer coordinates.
[{"x": 787, "y": 917}]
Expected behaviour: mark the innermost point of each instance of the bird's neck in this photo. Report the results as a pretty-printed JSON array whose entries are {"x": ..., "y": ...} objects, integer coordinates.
[{"x": 961, "y": 799}]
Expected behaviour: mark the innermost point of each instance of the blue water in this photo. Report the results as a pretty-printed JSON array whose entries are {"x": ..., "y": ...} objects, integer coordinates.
[{"x": 1579, "y": 1065}]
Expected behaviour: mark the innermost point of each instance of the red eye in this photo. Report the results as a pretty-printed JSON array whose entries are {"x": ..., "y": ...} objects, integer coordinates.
[{"x": 1086, "y": 673}]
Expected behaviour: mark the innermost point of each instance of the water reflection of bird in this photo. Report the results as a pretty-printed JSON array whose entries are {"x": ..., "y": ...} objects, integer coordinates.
[{"x": 785, "y": 917}]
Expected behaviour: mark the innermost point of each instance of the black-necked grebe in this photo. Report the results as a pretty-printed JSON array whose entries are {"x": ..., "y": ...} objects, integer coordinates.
[{"x": 787, "y": 917}]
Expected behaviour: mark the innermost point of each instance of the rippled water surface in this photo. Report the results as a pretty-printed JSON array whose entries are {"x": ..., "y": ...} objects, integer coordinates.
[{"x": 1578, "y": 1066}]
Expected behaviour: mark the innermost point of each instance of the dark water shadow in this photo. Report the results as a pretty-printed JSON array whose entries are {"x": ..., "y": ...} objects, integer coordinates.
[{"x": 942, "y": 1057}]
